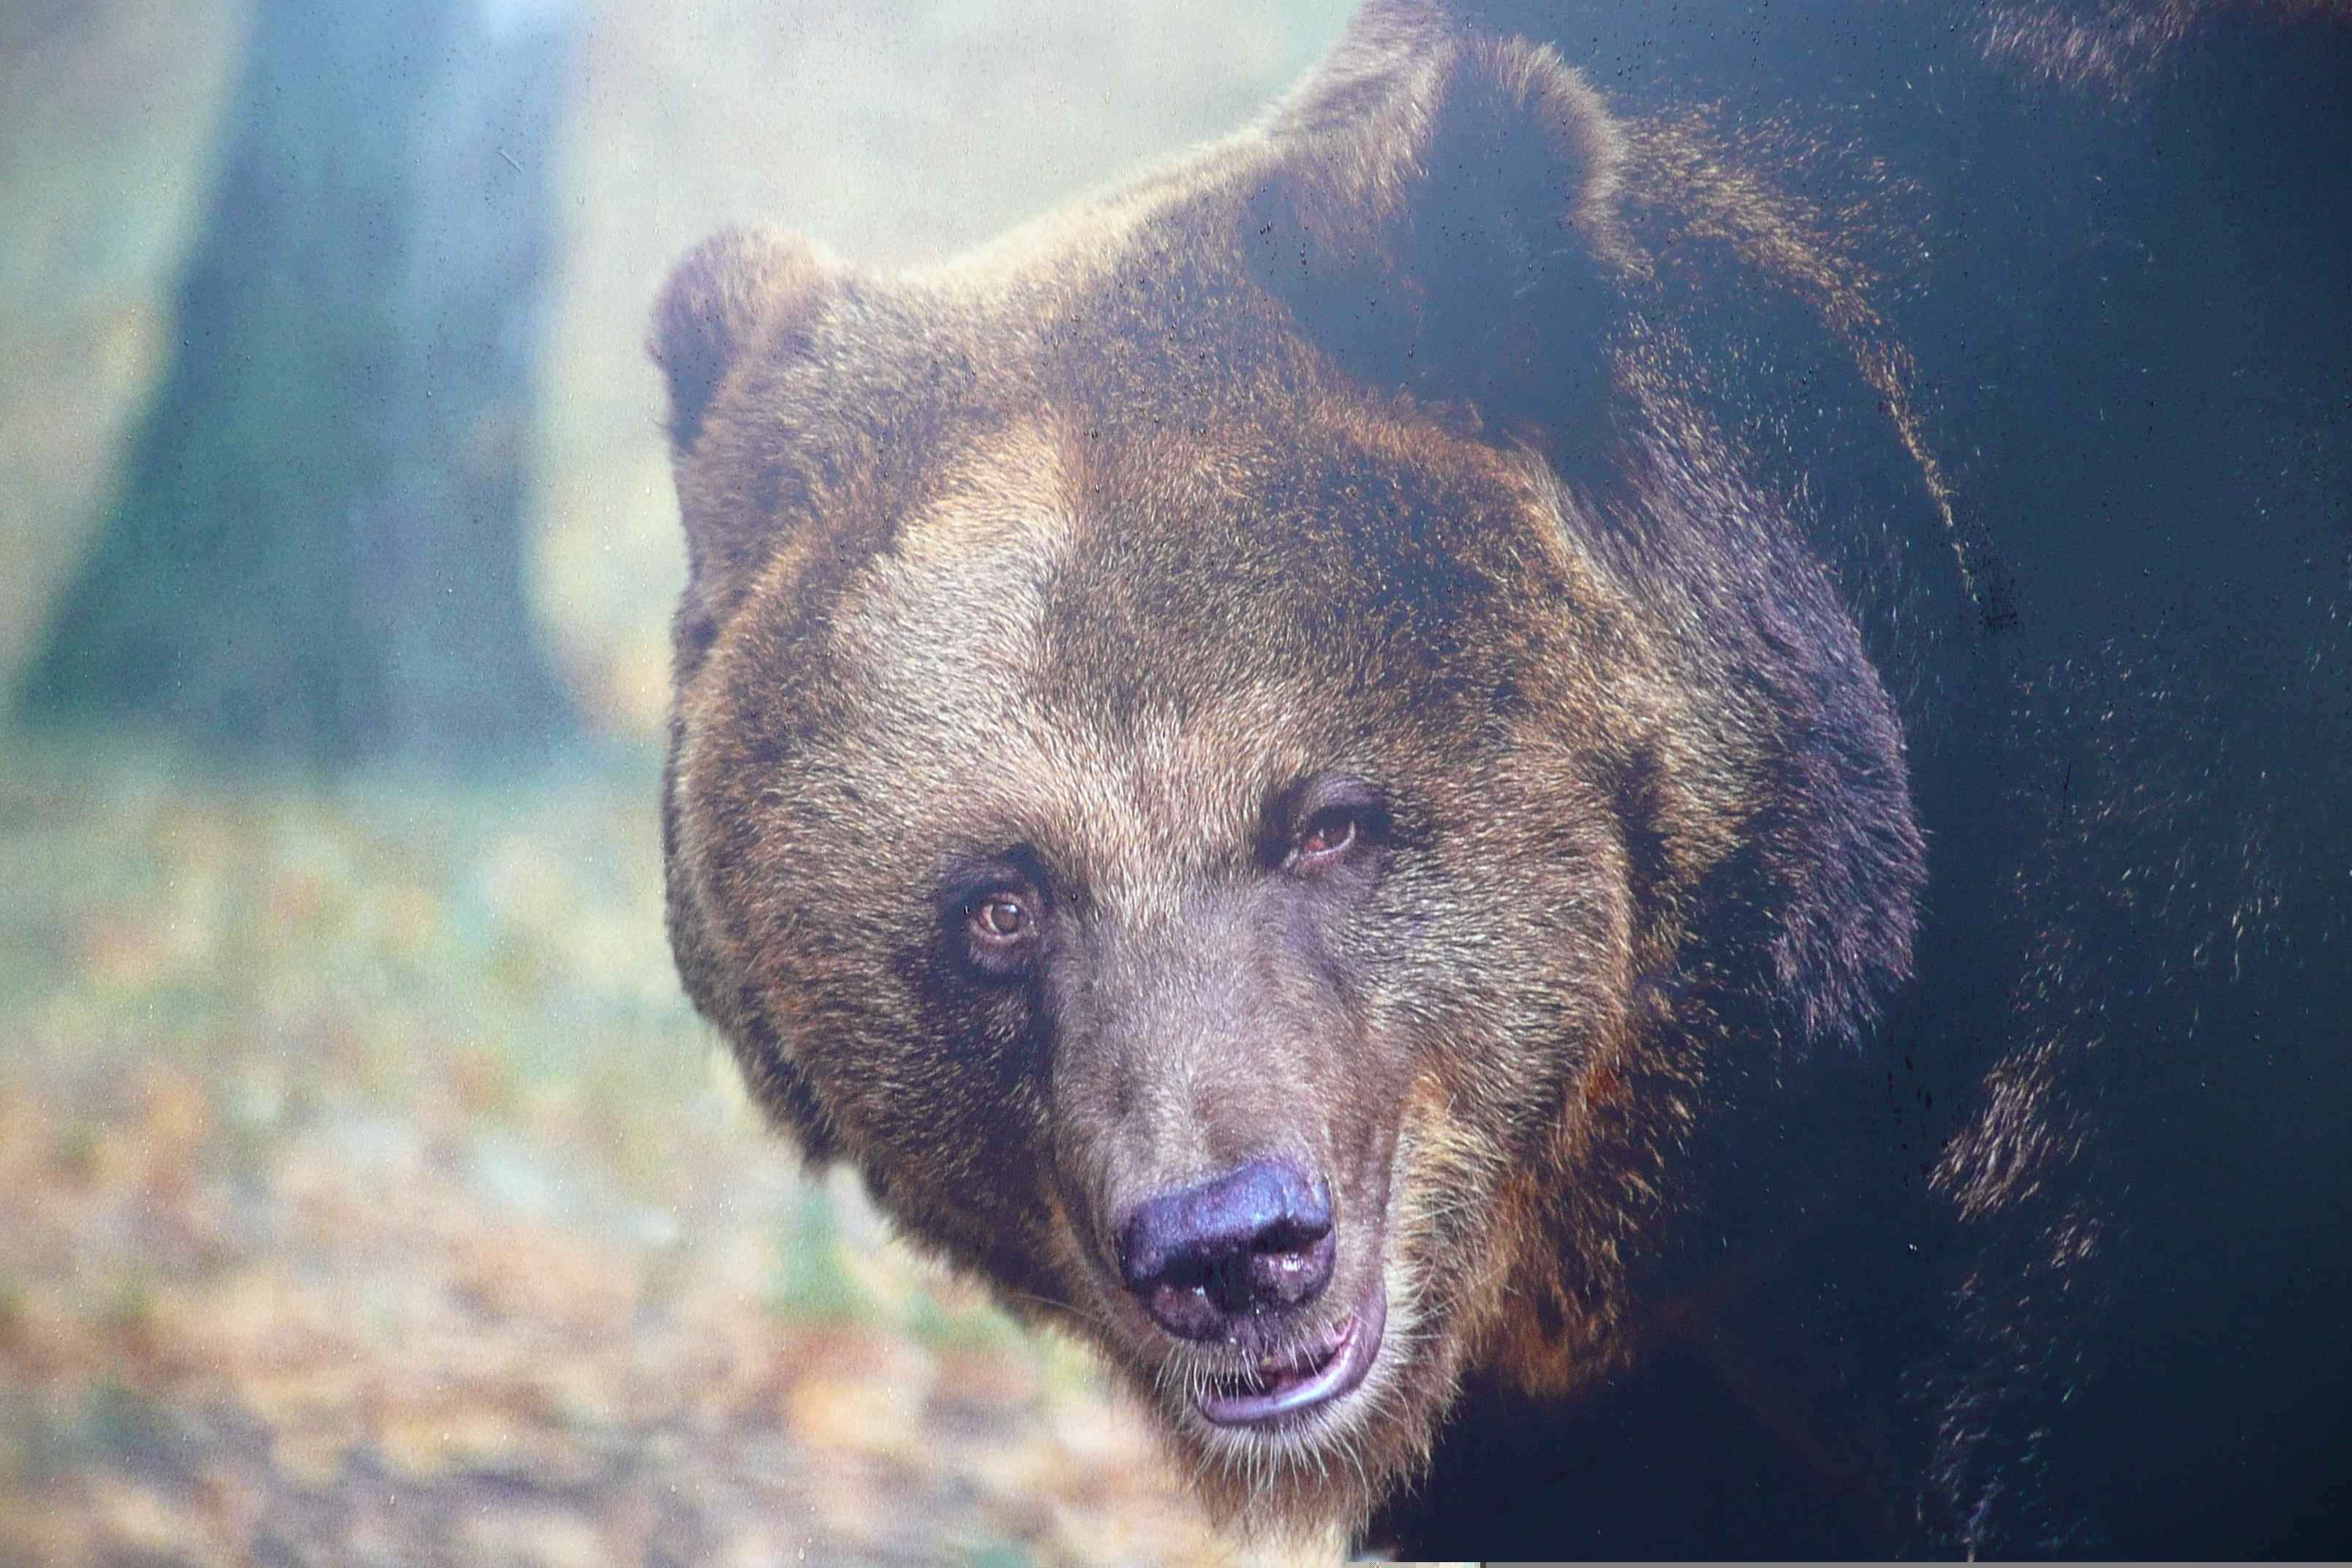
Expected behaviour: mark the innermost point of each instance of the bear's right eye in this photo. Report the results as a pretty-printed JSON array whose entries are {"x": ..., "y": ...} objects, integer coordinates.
[
  {"x": 1002, "y": 924},
  {"x": 1000, "y": 918}
]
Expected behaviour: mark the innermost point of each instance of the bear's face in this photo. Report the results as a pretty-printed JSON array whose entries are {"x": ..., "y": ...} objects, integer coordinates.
[
  {"x": 1221, "y": 841},
  {"x": 1151, "y": 809}
]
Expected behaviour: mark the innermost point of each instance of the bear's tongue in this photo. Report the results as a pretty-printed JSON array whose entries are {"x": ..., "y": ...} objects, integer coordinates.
[
  {"x": 1330, "y": 1366},
  {"x": 1277, "y": 1374}
]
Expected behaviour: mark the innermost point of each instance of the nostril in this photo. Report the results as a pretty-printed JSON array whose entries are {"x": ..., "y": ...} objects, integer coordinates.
[
  {"x": 1293, "y": 1232},
  {"x": 1294, "y": 1275},
  {"x": 1255, "y": 1239}
]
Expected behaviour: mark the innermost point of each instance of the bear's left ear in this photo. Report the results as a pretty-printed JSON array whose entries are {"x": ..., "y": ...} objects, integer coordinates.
[{"x": 1439, "y": 215}]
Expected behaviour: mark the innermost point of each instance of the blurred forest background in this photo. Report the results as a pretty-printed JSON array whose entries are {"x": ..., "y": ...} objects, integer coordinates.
[{"x": 368, "y": 1191}]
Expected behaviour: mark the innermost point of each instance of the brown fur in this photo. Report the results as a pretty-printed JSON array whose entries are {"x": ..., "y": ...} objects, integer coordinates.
[
  {"x": 2110, "y": 44},
  {"x": 1095, "y": 553}
]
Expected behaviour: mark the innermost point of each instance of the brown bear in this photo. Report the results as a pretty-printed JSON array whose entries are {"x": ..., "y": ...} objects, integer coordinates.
[{"x": 1276, "y": 759}]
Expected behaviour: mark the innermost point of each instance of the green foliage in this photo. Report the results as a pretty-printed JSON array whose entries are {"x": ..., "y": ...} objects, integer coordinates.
[
  {"x": 999, "y": 1555},
  {"x": 813, "y": 1280}
]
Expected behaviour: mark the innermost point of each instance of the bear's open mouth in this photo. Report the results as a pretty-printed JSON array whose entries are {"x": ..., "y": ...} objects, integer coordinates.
[{"x": 1311, "y": 1375}]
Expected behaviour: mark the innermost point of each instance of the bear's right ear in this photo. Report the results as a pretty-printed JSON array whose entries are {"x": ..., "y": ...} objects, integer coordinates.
[
  {"x": 1439, "y": 215},
  {"x": 735, "y": 291},
  {"x": 744, "y": 297}
]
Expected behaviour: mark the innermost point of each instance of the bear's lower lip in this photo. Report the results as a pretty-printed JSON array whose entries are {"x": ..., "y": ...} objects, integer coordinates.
[{"x": 1331, "y": 1367}]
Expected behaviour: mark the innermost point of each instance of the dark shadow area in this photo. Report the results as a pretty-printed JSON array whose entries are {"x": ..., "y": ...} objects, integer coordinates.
[{"x": 1659, "y": 1465}]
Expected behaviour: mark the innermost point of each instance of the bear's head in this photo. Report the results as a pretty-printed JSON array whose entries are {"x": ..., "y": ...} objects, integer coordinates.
[{"x": 1244, "y": 759}]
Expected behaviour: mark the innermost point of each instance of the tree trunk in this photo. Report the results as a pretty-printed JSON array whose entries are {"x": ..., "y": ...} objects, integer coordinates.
[{"x": 317, "y": 549}]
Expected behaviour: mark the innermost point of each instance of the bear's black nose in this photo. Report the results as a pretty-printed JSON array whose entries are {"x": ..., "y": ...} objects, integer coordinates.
[{"x": 1254, "y": 1240}]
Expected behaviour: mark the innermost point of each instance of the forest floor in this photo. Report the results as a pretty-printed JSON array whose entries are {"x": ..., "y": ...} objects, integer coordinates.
[{"x": 369, "y": 1193}]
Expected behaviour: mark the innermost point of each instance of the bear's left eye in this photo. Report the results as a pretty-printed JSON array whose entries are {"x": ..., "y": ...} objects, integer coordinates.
[
  {"x": 1320, "y": 826},
  {"x": 1326, "y": 837}
]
